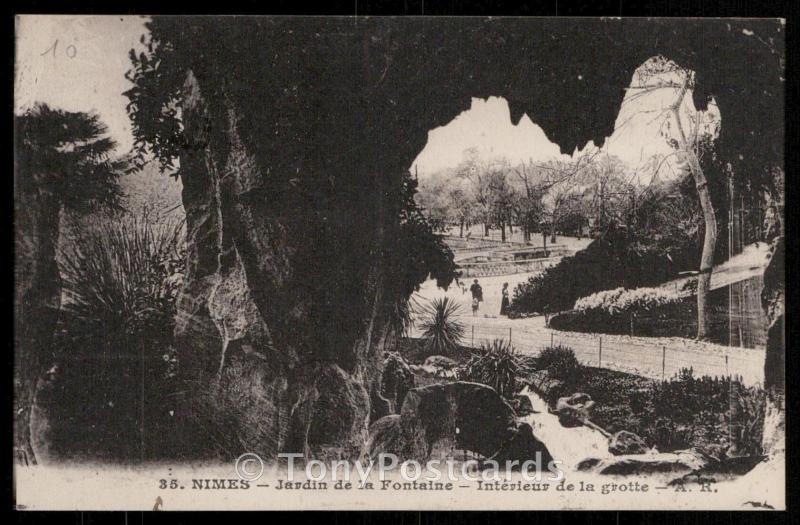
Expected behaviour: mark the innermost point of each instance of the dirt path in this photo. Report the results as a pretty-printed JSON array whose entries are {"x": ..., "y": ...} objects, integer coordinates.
[{"x": 654, "y": 357}]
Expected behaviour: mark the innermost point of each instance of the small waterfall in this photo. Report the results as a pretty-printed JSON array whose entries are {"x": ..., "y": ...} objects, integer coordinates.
[{"x": 568, "y": 445}]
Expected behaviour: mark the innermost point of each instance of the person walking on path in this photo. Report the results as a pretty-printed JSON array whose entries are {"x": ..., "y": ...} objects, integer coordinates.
[
  {"x": 505, "y": 302},
  {"x": 477, "y": 296}
]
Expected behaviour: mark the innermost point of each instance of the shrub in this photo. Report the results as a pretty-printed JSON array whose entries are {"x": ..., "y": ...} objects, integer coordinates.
[
  {"x": 687, "y": 410},
  {"x": 614, "y": 260},
  {"x": 621, "y": 300},
  {"x": 120, "y": 281},
  {"x": 441, "y": 329},
  {"x": 559, "y": 361},
  {"x": 497, "y": 365},
  {"x": 651, "y": 312},
  {"x": 684, "y": 411},
  {"x": 748, "y": 419}
]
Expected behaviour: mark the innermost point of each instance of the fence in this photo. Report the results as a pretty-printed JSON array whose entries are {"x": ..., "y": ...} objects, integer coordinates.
[
  {"x": 490, "y": 269},
  {"x": 656, "y": 358}
]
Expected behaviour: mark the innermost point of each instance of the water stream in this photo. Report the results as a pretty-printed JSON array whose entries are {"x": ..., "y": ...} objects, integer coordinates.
[
  {"x": 569, "y": 445},
  {"x": 572, "y": 445}
]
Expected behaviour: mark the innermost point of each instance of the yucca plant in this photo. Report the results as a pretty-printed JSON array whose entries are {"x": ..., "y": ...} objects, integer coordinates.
[
  {"x": 120, "y": 279},
  {"x": 497, "y": 365},
  {"x": 441, "y": 329}
]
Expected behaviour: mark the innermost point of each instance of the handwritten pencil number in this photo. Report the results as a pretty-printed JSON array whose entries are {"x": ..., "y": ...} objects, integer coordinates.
[{"x": 70, "y": 51}]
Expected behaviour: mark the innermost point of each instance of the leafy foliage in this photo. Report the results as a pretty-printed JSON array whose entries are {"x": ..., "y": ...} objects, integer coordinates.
[
  {"x": 608, "y": 261},
  {"x": 418, "y": 253},
  {"x": 441, "y": 329},
  {"x": 684, "y": 411},
  {"x": 657, "y": 239},
  {"x": 497, "y": 365},
  {"x": 158, "y": 76},
  {"x": 624, "y": 300},
  {"x": 559, "y": 361},
  {"x": 121, "y": 275},
  {"x": 67, "y": 154},
  {"x": 648, "y": 312},
  {"x": 683, "y": 407}
]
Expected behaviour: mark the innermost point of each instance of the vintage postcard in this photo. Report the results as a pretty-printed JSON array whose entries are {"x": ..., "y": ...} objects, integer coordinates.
[{"x": 399, "y": 263}]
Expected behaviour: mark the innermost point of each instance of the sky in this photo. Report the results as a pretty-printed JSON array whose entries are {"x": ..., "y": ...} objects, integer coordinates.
[
  {"x": 487, "y": 126},
  {"x": 78, "y": 63}
]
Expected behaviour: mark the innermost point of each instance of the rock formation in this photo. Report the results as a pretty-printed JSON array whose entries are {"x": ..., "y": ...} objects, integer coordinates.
[
  {"x": 624, "y": 442},
  {"x": 293, "y": 141},
  {"x": 471, "y": 416},
  {"x": 574, "y": 410},
  {"x": 396, "y": 380}
]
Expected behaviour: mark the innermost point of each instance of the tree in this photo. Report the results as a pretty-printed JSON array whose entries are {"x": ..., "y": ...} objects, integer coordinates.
[
  {"x": 529, "y": 207},
  {"x": 471, "y": 169},
  {"x": 660, "y": 73},
  {"x": 432, "y": 198},
  {"x": 63, "y": 162},
  {"x": 67, "y": 154},
  {"x": 460, "y": 208},
  {"x": 502, "y": 197},
  {"x": 561, "y": 186},
  {"x": 607, "y": 191}
]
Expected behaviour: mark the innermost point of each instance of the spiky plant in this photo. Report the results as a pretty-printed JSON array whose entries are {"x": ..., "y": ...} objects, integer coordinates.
[
  {"x": 497, "y": 365},
  {"x": 441, "y": 328},
  {"x": 120, "y": 278}
]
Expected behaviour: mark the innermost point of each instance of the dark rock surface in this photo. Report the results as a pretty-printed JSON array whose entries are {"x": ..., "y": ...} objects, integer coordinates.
[
  {"x": 386, "y": 437},
  {"x": 440, "y": 361},
  {"x": 624, "y": 442},
  {"x": 396, "y": 380},
  {"x": 549, "y": 388},
  {"x": 266, "y": 311},
  {"x": 773, "y": 300},
  {"x": 523, "y": 445},
  {"x": 574, "y": 410},
  {"x": 473, "y": 416},
  {"x": 522, "y": 405}
]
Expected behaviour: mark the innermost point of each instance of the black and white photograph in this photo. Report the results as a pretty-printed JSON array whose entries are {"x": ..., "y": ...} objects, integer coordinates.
[{"x": 386, "y": 263}]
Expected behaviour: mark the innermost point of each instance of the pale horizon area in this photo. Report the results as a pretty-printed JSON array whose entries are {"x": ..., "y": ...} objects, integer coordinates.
[
  {"x": 487, "y": 126},
  {"x": 78, "y": 63}
]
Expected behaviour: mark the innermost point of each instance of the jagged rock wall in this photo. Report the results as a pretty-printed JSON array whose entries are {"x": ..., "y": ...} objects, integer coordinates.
[
  {"x": 257, "y": 380},
  {"x": 296, "y": 134},
  {"x": 774, "y": 301}
]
